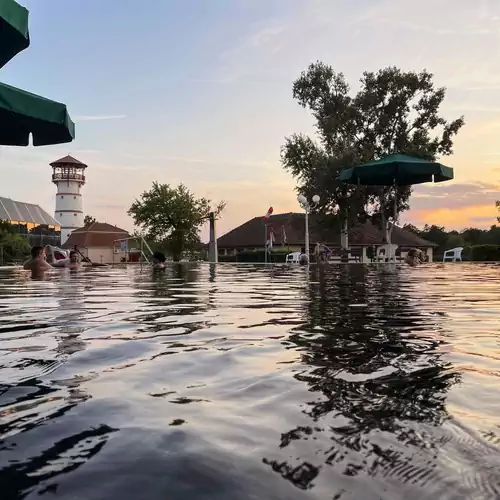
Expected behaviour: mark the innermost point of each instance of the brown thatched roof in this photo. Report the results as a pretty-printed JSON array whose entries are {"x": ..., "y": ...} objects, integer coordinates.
[{"x": 251, "y": 233}]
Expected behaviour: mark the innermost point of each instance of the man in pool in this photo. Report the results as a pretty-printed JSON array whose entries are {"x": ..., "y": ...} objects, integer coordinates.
[
  {"x": 37, "y": 264},
  {"x": 159, "y": 260}
]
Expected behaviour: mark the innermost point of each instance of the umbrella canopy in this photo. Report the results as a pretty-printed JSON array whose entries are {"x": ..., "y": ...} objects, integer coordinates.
[
  {"x": 14, "y": 34},
  {"x": 23, "y": 113},
  {"x": 398, "y": 169}
]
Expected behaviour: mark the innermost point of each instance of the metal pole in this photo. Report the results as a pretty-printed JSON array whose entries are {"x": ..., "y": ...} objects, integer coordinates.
[
  {"x": 307, "y": 232},
  {"x": 265, "y": 243},
  {"x": 142, "y": 252}
]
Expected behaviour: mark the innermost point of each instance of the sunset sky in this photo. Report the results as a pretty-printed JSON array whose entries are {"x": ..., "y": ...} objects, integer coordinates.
[{"x": 200, "y": 92}]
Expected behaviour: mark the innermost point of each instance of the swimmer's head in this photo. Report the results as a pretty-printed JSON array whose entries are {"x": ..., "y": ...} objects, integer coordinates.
[
  {"x": 73, "y": 256},
  {"x": 159, "y": 258},
  {"x": 37, "y": 252}
]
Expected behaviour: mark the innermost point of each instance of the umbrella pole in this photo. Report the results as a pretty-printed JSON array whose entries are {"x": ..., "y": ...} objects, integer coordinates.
[{"x": 395, "y": 215}]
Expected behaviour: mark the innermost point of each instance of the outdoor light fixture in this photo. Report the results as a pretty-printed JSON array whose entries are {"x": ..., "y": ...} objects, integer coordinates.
[{"x": 307, "y": 207}]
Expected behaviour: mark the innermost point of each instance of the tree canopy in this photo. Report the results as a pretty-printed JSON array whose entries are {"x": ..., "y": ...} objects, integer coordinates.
[
  {"x": 466, "y": 238},
  {"x": 88, "y": 219},
  {"x": 173, "y": 216},
  {"x": 392, "y": 112},
  {"x": 13, "y": 246}
]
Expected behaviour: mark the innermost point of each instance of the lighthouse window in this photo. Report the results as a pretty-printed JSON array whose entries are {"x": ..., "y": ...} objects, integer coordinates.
[
  {"x": 62, "y": 197},
  {"x": 60, "y": 215},
  {"x": 74, "y": 215},
  {"x": 74, "y": 197}
]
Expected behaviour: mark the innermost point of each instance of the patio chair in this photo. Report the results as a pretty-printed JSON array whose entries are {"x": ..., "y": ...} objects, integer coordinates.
[
  {"x": 386, "y": 253},
  {"x": 453, "y": 255},
  {"x": 293, "y": 258}
]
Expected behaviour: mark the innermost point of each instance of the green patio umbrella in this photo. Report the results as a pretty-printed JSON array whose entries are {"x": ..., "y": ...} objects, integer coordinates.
[
  {"x": 396, "y": 170},
  {"x": 14, "y": 34},
  {"x": 23, "y": 113}
]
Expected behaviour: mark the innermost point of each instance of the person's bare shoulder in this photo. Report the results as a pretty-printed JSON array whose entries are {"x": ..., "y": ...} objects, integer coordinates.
[{"x": 27, "y": 265}]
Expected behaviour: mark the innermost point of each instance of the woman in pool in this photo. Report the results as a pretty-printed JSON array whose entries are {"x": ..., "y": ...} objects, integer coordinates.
[
  {"x": 74, "y": 262},
  {"x": 159, "y": 260},
  {"x": 414, "y": 257}
]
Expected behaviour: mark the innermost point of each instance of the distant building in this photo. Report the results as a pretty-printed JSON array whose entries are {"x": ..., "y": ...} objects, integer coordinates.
[
  {"x": 39, "y": 227},
  {"x": 99, "y": 242},
  {"x": 289, "y": 233}
]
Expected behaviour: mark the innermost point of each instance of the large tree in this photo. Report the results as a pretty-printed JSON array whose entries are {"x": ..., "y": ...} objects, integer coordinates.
[
  {"x": 172, "y": 217},
  {"x": 392, "y": 112}
]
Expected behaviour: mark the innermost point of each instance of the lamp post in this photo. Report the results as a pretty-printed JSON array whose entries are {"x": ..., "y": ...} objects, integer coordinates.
[{"x": 307, "y": 206}]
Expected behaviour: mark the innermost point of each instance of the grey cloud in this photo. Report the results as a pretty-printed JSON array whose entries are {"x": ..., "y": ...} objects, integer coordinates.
[{"x": 453, "y": 196}]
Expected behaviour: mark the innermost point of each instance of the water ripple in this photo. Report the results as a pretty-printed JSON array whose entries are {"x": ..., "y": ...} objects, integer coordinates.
[{"x": 239, "y": 381}]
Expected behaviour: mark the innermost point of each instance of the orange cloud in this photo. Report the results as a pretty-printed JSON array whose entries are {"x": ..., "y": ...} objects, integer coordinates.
[{"x": 482, "y": 216}]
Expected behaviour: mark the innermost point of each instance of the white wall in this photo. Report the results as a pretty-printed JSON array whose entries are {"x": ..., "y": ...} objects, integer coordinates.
[{"x": 103, "y": 255}]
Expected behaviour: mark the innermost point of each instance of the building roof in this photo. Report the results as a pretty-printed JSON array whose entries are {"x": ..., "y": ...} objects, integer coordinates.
[
  {"x": 68, "y": 160},
  {"x": 251, "y": 233},
  {"x": 96, "y": 234},
  {"x": 18, "y": 211}
]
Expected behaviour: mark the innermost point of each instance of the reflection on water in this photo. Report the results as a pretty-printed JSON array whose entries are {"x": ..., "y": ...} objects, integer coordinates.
[{"x": 235, "y": 381}]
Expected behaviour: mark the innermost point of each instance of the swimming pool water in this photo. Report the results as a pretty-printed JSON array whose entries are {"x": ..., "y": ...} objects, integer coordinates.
[{"x": 246, "y": 382}]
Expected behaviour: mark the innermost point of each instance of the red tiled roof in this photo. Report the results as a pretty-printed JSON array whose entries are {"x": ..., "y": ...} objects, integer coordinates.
[
  {"x": 96, "y": 234},
  {"x": 251, "y": 233},
  {"x": 67, "y": 160}
]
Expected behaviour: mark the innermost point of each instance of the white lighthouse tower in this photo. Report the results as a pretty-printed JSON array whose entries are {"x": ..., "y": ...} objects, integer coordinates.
[{"x": 69, "y": 176}]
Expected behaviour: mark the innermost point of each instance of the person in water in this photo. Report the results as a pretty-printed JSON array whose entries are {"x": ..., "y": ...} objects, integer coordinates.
[
  {"x": 303, "y": 258},
  {"x": 37, "y": 263},
  {"x": 74, "y": 262},
  {"x": 414, "y": 257},
  {"x": 159, "y": 260}
]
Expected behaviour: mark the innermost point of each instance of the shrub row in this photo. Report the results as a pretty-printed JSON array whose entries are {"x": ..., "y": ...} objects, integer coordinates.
[{"x": 485, "y": 252}]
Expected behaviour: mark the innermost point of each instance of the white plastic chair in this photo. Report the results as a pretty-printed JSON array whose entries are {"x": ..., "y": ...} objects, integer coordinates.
[
  {"x": 453, "y": 255},
  {"x": 386, "y": 252},
  {"x": 293, "y": 258}
]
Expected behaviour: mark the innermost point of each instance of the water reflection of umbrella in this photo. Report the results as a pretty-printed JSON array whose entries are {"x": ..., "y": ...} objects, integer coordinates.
[
  {"x": 396, "y": 170},
  {"x": 14, "y": 34}
]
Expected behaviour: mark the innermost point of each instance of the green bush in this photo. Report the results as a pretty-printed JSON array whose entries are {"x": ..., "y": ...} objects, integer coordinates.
[
  {"x": 485, "y": 252},
  {"x": 13, "y": 247}
]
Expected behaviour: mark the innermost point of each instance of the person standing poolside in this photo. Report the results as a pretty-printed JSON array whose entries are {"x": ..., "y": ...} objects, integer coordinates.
[
  {"x": 37, "y": 264},
  {"x": 159, "y": 260}
]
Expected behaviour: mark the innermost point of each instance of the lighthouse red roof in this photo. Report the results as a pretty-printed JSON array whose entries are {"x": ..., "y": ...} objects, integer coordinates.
[{"x": 68, "y": 160}]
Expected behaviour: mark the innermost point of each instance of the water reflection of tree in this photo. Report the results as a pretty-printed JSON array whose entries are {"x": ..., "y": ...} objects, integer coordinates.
[
  {"x": 22, "y": 477},
  {"x": 367, "y": 350}
]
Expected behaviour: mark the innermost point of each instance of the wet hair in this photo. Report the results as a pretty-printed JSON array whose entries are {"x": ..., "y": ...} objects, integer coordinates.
[
  {"x": 159, "y": 256},
  {"x": 412, "y": 252},
  {"x": 36, "y": 251},
  {"x": 73, "y": 252}
]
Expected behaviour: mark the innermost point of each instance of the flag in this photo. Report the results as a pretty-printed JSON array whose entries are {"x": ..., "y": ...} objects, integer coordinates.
[
  {"x": 268, "y": 214},
  {"x": 283, "y": 236},
  {"x": 270, "y": 241}
]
